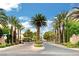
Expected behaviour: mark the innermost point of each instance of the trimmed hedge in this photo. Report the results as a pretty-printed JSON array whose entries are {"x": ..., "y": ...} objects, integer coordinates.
[{"x": 38, "y": 45}]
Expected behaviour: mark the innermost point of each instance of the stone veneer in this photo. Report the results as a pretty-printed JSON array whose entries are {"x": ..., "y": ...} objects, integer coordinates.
[
  {"x": 2, "y": 40},
  {"x": 74, "y": 39}
]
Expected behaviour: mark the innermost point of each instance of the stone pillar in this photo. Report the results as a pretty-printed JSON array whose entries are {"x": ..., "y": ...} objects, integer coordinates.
[{"x": 2, "y": 40}]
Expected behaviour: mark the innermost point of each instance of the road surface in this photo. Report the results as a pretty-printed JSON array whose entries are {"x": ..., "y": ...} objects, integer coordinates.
[{"x": 27, "y": 50}]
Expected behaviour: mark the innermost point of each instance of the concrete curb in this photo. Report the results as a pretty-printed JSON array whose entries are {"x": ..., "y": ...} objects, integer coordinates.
[
  {"x": 62, "y": 46},
  {"x": 1, "y": 49},
  {"x": 37, "y": 48}
]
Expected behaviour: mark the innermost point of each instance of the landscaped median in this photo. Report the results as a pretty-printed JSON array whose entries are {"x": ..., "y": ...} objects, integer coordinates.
[{"x": 37, "y": 47}]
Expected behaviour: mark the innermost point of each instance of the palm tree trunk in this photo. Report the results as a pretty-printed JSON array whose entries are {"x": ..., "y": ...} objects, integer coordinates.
[
  {"x": 56, "y": 33},
  {"x": 38, "y": 34},
  {"x": 20, "y": 36},
  {"x": 63, "y": 34},
  {"x": 15, "y": 35},
  {"x": 59, "y": 35},
  {"x": 55, "y": 36},
  {"x": 67, "y": 39},
  {"x": 11, "y": 34}
]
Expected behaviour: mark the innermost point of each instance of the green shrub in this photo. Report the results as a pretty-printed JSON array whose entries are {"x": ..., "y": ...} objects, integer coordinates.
[
  {"x": 2, "y": 45},
  {"x": 8, "y": 44},
  {"x": 38, "y": 45},
  {"x": 77, "y": 44},
  {"x": 69, "y": 45},
  {"x": 38, "y": 42},
  {"x": 27, "y": 39}
]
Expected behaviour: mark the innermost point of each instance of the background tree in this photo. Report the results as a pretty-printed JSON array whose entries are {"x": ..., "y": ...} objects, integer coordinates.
[
  {"x": 28, "y": 35},
  {"x": 49, "y": 36}
]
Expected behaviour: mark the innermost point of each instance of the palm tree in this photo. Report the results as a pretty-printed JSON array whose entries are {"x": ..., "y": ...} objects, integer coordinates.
[
  {"x": 19, "y": 27},
  {"x": 3, "y": 21},
  {"x": 60, "y": 22},
  {"x": 13, "y": 21},
  {"x": 55, "y": 25},
  {"x": 73, "y": 13},
  {"x": 38, "y": 21},
  {"x": 3, "y": 17}
]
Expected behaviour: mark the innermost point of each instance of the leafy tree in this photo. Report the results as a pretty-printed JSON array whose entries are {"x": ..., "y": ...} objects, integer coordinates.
[
  {"x": 28, "y": 35},
  {"x": 49, "y": 36},
  {"x": 6, "y": 30},
  {"x": 72, "y": 28}
]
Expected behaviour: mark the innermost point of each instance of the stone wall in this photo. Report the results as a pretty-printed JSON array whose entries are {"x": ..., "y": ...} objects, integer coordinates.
[
  {"x": 74, "y": 39},
  {"x": 2, "y": 40}
]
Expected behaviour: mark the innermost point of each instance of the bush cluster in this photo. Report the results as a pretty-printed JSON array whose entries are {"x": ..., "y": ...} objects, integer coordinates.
[{"x": 70, "y": 45}]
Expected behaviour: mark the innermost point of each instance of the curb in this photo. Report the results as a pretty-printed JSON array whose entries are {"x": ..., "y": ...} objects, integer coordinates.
[
  {"x": 61, "y": 46},
  {"x": 37, "y": 48},
  {"x": 1, "y": 49}
]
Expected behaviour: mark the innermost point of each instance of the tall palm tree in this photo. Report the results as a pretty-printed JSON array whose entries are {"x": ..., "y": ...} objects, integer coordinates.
[
  {"x": 55, "y": 25},
  {"x": 13, "y": 21},
  {"x": 3, "y": 21},
  {"x": 19, "y": 27},
  {"x": 38, "y": 21},
  {"x": 74, "y": 13},
  {"x": 3, "y": 17},
  {"x": 60, "y": 22}
]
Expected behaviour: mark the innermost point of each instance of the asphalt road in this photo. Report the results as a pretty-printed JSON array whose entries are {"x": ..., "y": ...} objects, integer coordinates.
[{"x": 27, "y": 50}]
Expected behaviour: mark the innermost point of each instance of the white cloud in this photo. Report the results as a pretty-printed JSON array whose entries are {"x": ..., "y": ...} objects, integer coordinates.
[
  {"x": 27, "y": 25},
  {"x": 48, "y": 27},
  {"x": 39, "y": 1},
  {"x": 9, "y": 4},
  {"x": 24, "y": 18}
]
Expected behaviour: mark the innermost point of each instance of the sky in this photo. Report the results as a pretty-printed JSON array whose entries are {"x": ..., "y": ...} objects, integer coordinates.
[{"x": 25, "y": 11}]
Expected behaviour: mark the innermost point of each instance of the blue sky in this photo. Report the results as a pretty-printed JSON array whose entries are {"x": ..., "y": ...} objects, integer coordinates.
[
  {"x": 24, "y": 12},
  {"x": 48, "y": 9}
]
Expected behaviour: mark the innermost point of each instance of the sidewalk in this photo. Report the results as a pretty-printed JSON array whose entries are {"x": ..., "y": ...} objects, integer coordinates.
[
  {"x": 1, "y": 49},
  {"x": 62, "y": 46}
]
